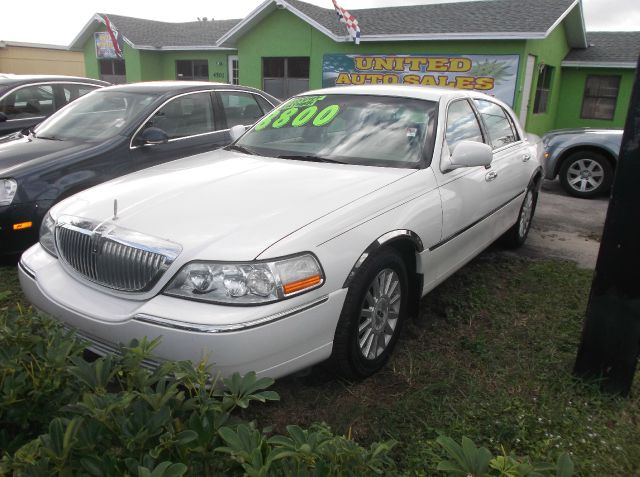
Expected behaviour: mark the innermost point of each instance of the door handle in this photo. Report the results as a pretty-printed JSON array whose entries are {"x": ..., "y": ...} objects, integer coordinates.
[
  {"x": 491, "y": 175},
  {"x": 526, "y": 157}
]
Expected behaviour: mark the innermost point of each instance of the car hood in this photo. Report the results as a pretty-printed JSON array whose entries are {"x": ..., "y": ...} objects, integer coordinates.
[
  {"x": 19, "y": 152},
  {"x": 226, "y": 205},
  {"x": 559, "y": 132}
]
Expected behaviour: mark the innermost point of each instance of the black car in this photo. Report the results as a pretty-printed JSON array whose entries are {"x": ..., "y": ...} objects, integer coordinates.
[
  {"x": 26, "y": 100},
  {"x": 108, "y": 133}
]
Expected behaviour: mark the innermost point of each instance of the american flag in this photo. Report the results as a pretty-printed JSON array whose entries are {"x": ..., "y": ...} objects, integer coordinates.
[
  {"x": 350, "y": 21},
  {"x": 116, "y": 37}
]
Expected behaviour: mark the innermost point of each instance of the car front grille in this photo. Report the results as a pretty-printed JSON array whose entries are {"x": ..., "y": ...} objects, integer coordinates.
[
  {"x": 108, "y": 256},
  {"x": 103, "y": 348}
]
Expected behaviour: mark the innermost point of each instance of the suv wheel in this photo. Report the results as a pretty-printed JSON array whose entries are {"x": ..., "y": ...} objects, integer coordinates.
[{"x": 586, "y": 174}]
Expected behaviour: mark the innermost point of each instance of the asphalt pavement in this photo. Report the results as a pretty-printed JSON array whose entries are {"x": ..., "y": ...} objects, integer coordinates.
[{"x": 566, "y": 227}]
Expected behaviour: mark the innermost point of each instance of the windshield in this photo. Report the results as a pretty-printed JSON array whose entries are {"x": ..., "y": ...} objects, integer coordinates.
[
  {"x": 351, "y": 129},
  {"x": 95, "y": 117}
]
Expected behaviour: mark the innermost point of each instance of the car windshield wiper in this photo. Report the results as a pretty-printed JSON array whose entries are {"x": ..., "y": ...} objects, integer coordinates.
[
  {"x": 309, "y": 158},
  {"x": 235, "y": 147},
  {"x": 50, "y": 138}
]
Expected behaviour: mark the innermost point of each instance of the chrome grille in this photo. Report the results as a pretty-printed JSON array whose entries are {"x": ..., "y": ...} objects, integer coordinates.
[{"x": 103, "y": 257}]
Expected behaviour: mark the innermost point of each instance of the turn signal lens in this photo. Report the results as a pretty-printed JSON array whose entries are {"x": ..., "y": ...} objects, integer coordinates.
[
  {"x": 301, "y": 284},
  {"x": 22, "y": 225}
]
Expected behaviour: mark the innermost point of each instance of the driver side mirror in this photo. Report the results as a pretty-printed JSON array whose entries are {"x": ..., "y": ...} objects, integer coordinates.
[
  {"x": 236, "y": 131},
  {"x": 469, "y": 154},
  {"x": 3, "y": 117},
  {"x": 152, "y": 137}
]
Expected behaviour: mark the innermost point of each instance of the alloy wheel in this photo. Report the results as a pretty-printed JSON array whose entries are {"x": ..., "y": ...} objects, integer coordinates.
[
  {"x": 379, "y": 313},
  {"x": 585, "y": 175},
  {"x": 525, "y": 214}
]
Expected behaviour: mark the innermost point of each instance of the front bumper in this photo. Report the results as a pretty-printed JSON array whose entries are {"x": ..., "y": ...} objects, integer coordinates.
[
  {"x": 15, "y": 241},
  {"x": 273, "y": 340}
]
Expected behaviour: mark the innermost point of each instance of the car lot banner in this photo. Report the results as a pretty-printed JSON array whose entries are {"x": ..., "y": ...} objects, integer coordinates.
[
  {"x": 495, "y": 75},
  {"x": 104, "y": 45}
]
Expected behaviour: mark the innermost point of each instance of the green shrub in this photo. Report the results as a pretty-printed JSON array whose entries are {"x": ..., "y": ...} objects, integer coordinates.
[
  {"x": 468, "y": 460},
  {"x": 34, "y": 377},
  {"x": 63, "y": 415}
]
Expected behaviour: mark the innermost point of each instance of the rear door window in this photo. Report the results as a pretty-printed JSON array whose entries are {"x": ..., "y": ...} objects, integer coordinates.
[
  {"x": 240, "y": 108},
  {"x": 72, "y": 92},
  {"x": 29, "y": 102},
  {"x": 499, "y": 127}
]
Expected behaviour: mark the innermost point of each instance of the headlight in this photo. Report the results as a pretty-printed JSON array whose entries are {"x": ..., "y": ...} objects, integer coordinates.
[
  {"x": 47, "y": 237},
  {"x": 8, "y": 188},
  {"x": 250, "y": 283}
]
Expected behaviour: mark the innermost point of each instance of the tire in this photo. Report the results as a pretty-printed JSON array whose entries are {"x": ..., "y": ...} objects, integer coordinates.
[
  {"x": 371, "y": 315},
  {"x": 517, "y": 235},
  {"x": 586, "y": 174}
]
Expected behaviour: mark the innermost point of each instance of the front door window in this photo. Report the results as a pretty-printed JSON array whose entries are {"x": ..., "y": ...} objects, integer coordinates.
[
  {"x": 185, "y": 116},
  {"x": 29, "y": 102}
]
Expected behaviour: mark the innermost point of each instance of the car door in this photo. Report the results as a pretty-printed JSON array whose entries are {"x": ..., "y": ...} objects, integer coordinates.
[
  {"x": 467, "y": 194},
  {"x": 26, "y": 106},
  {"x": 191, "y": 126},
  {"x": 241, "y": 107},
  {"x": 509, "y": 164}
]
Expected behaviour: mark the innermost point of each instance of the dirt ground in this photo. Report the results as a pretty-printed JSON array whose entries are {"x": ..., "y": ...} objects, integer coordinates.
[{"x": 566, "y": 227}]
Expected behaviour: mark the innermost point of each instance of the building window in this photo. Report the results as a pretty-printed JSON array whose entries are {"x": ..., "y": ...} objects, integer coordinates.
[
  {"x": 234, "y": 70},
  {"x": 543, "y": 90},
  {"x": 192, "y": 70},
  {"x": 284, "y": 77},
  {"x": 600, "y": 97},
  {"x": 113, "y": 71}
]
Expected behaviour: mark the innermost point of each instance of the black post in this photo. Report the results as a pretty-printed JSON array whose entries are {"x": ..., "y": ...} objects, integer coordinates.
[{"x": 611, "y": 336}]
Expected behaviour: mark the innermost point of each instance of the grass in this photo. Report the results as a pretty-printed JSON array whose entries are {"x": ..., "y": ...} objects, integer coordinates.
[{"x": 489, "y": 358}]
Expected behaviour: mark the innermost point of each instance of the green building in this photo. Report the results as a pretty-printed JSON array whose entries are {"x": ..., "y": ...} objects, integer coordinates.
[{"x": 535, "y": 56}]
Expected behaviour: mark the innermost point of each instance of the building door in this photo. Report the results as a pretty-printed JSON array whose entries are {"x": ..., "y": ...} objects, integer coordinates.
[
  {"x": 526, "y": 90},
  {"x": 234, "y": 69},
  {"x": 113, "y": 71},
  {"x": 285, "y": 77}
]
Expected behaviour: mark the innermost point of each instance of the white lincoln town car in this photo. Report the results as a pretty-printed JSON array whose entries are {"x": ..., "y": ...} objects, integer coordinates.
[{"x": 311, "y": 238}]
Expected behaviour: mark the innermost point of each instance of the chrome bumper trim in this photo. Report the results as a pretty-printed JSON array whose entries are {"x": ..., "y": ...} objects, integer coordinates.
[
  {"x": 204, "y": 328},
  {"x": 23, "y": 266}
]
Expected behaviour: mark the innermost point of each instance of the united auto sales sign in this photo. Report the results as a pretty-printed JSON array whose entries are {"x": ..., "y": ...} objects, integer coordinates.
[{"x": 492, "y": 74}]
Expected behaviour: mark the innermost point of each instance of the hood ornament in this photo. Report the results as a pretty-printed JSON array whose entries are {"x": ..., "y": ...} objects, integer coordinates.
[{"x": 115, "y": 209}]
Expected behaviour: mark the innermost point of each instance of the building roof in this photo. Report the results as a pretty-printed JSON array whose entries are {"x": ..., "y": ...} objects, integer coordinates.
[
  {"x": 151, "y": 34},
  {"x": 22, "y": 44},
  {"x": 488, "y": 16},
  {"x": 613, "y": 49},
  {"x": 472, "y": 20},
  {"x": 484, "y": 19}
]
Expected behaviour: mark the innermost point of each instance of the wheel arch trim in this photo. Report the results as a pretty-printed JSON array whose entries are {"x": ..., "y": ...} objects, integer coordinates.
[
  {"x": 536, "y": 178},
  {"x": 384, "y": 239}
]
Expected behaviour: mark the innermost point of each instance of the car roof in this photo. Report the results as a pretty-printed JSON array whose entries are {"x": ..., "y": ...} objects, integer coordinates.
[
  {"x": 17, "y": 80},
  {"x": 431, "y": 93},
  {"x": 172, "y": 87}
]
